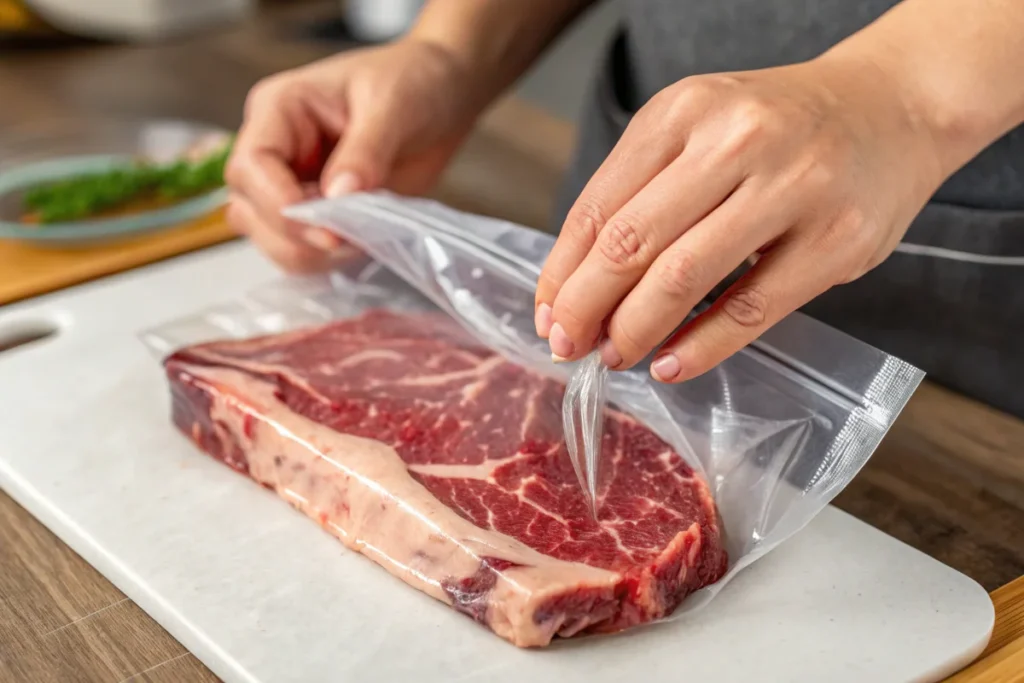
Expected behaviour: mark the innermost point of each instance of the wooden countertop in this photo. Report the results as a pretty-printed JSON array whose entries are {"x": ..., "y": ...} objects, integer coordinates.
[
  {"x": 30, "y": 270},
  {"x": 948, "y": 480}
]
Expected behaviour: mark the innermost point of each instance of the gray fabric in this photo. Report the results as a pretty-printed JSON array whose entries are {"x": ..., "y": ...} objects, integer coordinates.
[
  {"x": 671, "y": 39},
  {"x": 959, "y": 320}
]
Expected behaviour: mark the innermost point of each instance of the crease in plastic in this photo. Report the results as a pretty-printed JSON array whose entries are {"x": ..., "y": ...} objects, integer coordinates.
[{"x": 582, "y": 419}]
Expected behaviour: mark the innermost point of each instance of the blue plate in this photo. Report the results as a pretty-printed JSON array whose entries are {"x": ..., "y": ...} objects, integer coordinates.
[{"x": 58, "y": 151}]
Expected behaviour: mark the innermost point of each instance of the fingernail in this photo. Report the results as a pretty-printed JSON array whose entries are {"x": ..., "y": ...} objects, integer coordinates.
[
  {"x": 561, "y": 345},
  {"x": 345, "y": 183},
  {"x": 542, "y": 320},
  {"x": 609, "y": 356},
  {"x": 666, "y": 368},
  {"x": 321, "y": 239}
]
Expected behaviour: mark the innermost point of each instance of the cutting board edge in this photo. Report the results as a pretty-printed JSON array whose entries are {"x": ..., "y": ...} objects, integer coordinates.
[
  {"x": 123, "y": 578},
  {"x": 229, "y": 670},
  {"x": 132, "y": 585}
]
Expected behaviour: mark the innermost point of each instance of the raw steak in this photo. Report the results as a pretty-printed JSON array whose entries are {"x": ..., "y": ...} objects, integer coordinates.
[{"x": 446, "y": 465}]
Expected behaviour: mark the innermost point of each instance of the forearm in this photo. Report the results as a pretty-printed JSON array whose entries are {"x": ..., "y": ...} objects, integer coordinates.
[
  {"x": 495, "y": 40},
  {"x": 958, "y": 64}
]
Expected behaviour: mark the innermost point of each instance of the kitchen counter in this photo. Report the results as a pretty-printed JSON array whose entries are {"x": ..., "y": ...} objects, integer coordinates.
[{"x": 948, "y": 480}]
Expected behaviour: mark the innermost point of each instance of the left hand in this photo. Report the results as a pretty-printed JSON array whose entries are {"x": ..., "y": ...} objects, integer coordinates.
[{"x": 817, "y": 168}]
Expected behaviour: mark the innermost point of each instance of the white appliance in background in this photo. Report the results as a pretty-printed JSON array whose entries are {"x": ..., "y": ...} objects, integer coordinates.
[
  {"x": 137, "y": 20},
  {"x": 375, "y": 21}
]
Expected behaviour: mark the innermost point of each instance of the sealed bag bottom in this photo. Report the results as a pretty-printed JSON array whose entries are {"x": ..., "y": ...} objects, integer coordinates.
[{"x": 446, "y": 464}]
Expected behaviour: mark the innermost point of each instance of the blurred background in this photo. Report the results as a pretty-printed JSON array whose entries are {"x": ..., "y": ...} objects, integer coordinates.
[
  {"x": 92, "y": 88},
  {"x": 557, "y": 83}
]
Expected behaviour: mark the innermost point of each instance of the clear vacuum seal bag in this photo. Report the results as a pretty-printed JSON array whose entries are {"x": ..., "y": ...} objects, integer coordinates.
[{"x": 406, "y": 405}]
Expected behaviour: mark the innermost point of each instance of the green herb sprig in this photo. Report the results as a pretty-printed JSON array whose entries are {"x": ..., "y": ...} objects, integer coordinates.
[{"x": 85, "y": 196}]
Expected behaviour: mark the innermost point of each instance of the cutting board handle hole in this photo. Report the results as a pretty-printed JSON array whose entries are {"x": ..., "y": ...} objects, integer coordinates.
[{"x": 18, "y": 333}]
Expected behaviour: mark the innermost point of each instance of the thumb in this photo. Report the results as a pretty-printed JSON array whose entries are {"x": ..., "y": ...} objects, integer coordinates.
[{"x": 363, "y": 158}]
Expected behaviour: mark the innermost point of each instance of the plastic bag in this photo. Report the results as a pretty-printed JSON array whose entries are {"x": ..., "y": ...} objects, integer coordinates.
[
  {"x": 774, "y": 433},
  {"x": 583, "y": 409}
]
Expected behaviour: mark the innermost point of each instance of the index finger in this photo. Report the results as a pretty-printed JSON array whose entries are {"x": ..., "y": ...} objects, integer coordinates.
[
  {"x": 266, "y": 180},
  {"x": 279, "y": 133},
  {"x": 259, "y": 166},
  {"x": 633, "y": 162}
]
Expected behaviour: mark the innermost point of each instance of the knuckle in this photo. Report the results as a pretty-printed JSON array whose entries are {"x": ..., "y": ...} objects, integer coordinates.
[
  {"x": 820, "y": 167},
  {"x": 680, "y": 275},
  {"x": 660, "y": 102},
  {"x": 818, "y": 173},
  {"x": 585, "y": 221},
  {"x": 272, "y": 91},
  {"x": 697, "y": 89},
  {"x": 851, "y": 230},
  {"x": 747, "y": 306},
  {"x": 751, "y": 121},
  {"x": 626, "y": 342},
  {"x": 623, "y": 243},
  {"x": 646, "y": 115},
  {"x": 234, "y": 171},
  {"x": 855, "y": 219},
  {"x": 678, "y": 103},
  {"x": 235, "y": 217},
  {"x": 809, "y": 171},
  {"x": 854, "y": 237},
  {"x": 263, "y": 92}
]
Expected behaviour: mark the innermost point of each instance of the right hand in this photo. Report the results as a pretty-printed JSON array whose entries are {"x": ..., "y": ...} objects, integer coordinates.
[{"x": 384, "y": 117}]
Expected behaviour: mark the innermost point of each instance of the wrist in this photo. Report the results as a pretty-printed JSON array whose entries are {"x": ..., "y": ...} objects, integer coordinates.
[
  {"x": 869, "y": 94},
  {"x": 483, "y": 65},
  {"x": 954, "y": 71},
  {"x": 493, "y": 41},
  {"x": 460, "y": 78},
  {"x": 936, "y": 141}
]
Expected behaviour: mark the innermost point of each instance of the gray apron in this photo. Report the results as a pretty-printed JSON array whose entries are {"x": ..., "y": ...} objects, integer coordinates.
[{"x": 951, "y": 299}]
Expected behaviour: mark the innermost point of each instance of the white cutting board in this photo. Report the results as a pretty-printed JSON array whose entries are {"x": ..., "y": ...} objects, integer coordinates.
[{"x": 259, "y": 593}]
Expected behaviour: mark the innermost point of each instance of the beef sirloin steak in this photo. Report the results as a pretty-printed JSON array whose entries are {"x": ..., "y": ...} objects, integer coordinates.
[{"x": 445, "y": 464}]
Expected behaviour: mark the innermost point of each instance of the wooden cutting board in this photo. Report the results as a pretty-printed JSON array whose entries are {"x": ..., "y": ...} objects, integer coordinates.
[{"x": 27, "y": 270}]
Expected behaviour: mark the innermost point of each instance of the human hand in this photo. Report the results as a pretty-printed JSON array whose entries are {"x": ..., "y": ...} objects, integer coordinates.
[
  {"x": 388, "y": 116},
  {"x": 815, "y": 169}
]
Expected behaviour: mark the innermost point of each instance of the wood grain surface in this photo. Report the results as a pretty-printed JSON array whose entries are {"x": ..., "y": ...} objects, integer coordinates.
[
  {"x": 949, "y": 478},
  {"x": 1003, "y": 659},
  {"x": 60, "y": 620},
  {"x": 29, "y": 270}
]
